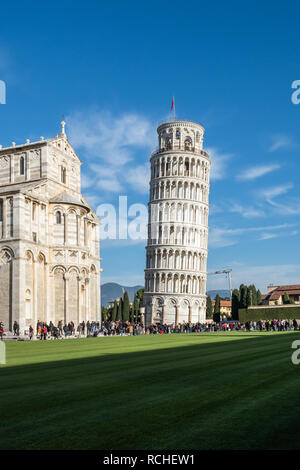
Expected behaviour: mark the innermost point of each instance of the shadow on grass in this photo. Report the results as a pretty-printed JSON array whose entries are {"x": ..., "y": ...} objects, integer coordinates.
[{"x": 186, "y": 397}]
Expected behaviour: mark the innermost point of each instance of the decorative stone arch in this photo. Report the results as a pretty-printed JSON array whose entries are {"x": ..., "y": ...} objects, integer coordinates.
[
  {"x": 41, "y": 257},
  {"x": 84, "y": 271},
  {"x": 73, "y": 268},
  {"x": 58, "y": 267},
  {"x": 185, "y": 302},
  {"x": 71, "y": 210},
  {"x": 172, "y": 302},
  {"x": 58, "y": 207},
  {"x": 29, "y": 255},
  {"x": 158, "y": 301},
  {"x": 93, "y": 269}
]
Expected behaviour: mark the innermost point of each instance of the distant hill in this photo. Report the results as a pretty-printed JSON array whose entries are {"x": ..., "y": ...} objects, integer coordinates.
[
  {"x": 111, "y": 291},
  {"x": 221, "y": 292}
]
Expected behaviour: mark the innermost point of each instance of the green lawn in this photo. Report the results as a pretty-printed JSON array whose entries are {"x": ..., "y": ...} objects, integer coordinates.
[{"x": 208, "y": 391}]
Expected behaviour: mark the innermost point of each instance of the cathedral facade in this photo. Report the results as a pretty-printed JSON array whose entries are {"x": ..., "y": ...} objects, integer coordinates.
[
  {"x": 175, "y": 275},
  {"x": 49, "y": 237}
]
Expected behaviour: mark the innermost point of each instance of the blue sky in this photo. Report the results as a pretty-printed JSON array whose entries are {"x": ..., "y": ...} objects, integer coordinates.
[{"x": 112, "y": 67}]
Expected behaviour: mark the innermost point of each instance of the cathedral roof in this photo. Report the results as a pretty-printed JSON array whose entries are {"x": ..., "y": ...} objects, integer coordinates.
[
  {"x": 20, "y": 187},
  {"x": 66, "y": 198}
]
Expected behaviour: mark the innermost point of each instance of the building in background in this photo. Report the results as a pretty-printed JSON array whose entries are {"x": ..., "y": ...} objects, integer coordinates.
[
  {"x": 49, "y": 237},
  {"x": 176, "y": 253},
  {"x": 225, "y": 307},
  {"x": 275, "y": 295}
]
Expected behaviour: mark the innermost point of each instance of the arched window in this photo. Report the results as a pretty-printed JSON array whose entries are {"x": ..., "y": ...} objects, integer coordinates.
[
  {"x": 188, "y": 143},
  {"x": 22, "y": 166},
  {"x": 177, "y": 133},
  {"x": 58, "y": 217}
]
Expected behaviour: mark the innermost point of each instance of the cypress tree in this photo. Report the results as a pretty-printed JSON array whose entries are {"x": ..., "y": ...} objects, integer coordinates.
[
  {"x": 136, "y": 308},
  {"x": 131, "y": 313},
  {"x": 258, "y": 297},
  {"x": 249, "y": 297},
  {"x": 254, "y": 294},
  {"x": 119, "y": 310},
  {"x": 217, "y": 309},
  {"x": 286, "y": 298},
  {"x": 125, "y": 315},
  {"x": 209, "y": 308},
  {"x": 235, "y": 304},
  {"x": 114, "y": 311},
  {"x": 243, "y": 296},
  {"x": 103, "y": 313}
]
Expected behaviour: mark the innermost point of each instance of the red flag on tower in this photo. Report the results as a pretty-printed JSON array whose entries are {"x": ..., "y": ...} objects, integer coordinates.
[{"x": 173, "y": 102}]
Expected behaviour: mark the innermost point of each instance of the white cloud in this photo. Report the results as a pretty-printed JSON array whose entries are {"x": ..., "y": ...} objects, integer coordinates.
[
  {"x": 86, "y": 181},
  {"x": 218, "y": 163},
  {"x": 276, "y": 191},
  {"x": 290, "y": 206},
  {"x": 222, "y": 237},
  {"x": 268, "y": 236},
  {"x": 247, "y": 212},
  {"x": 93, "y": 199},
  {"x": 110, "y": 138},
  {"x": 111, "y": 143},
  {"x": 138, "y": 178},
  {"x": 281, "y": 141},
  {"x": 109, "y": 184},
  {"x": 257, "y": 171}
]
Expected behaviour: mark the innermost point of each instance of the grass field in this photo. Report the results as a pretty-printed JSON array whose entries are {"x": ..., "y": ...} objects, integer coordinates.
[{"x": 208, "y": 391}]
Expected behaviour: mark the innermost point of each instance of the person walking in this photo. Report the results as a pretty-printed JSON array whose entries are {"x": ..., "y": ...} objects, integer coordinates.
[{"x": 30, "y": 332}]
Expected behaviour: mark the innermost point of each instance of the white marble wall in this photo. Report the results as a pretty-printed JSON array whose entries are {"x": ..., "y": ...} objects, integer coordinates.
[
  {"x": 48, "y": 270},
  {"x": 176, "y": 254}
]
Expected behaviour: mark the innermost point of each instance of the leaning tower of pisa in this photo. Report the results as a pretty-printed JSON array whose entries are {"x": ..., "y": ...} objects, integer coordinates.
[{"x": 175, "y": 274}]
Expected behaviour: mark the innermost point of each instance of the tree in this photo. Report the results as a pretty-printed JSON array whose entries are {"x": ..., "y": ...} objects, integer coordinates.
[
  {"x": 286, "y": 298},
  {"x": 103, "y": 313},
  {"x": 258, "y": 297},
  {"x": 249, "y": 297},
  {"x": 235, "y": 304},
  {"x": 136, "y": 305},
  {"x": 253, "y": 294},
  {"x": 114, "y": 311},
  {"x": 119, "y": 310},
  {"x": 217, "y": 309},
  {"x": 243, "y": 296},
  {"x": 131, "y": 313},
  {"x": 209, "y": 308},
  {"x": 125, "y": 315},
  {"x": 140, "y": 294}
]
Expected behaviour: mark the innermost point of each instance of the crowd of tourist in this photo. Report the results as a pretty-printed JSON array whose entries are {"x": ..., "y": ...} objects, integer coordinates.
[{"x": 44, "y": 331}]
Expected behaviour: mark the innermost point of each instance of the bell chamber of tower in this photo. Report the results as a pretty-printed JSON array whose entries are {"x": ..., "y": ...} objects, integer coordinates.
[{"x": 176, "y": 252}]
